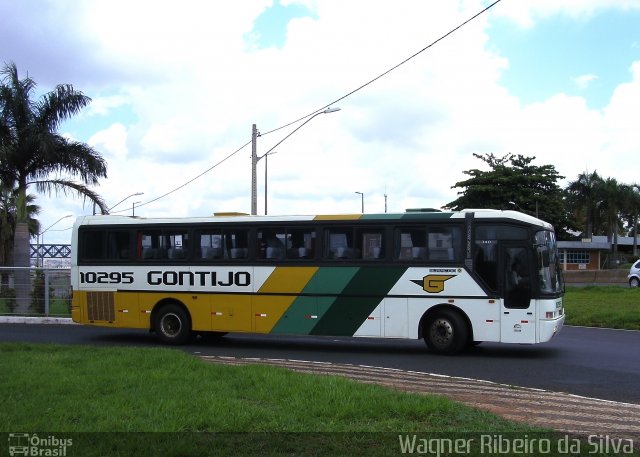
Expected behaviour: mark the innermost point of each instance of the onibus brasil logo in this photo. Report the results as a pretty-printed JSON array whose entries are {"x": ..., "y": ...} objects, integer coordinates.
[{"x": 30, "y": 444}]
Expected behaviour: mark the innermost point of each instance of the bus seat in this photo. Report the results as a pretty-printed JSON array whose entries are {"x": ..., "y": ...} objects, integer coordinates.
[
  {"x": 176, "y": 253},
  {"x": 211, "y": 253},
  {"x": 418, "y": 252},
  {"x": 238, "y": 253}
]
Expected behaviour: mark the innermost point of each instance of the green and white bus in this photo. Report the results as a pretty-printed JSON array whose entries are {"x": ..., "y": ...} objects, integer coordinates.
[{"x": 452, "y": 278}]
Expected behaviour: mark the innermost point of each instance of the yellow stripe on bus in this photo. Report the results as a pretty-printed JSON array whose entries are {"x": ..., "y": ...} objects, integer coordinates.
[{"x": 269, "y": 308}]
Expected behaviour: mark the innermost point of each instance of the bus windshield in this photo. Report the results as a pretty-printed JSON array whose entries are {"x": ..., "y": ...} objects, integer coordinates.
[{"x": 549, "y": 273}]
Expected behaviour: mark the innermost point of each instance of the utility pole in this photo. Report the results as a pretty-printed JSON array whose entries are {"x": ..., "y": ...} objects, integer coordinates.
[
  {"x": 254, "y": 155},
  {"x": 254, "y": 178}
]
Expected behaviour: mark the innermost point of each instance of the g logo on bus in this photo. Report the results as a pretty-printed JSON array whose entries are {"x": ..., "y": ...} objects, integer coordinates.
[{"x": 433, "y": 283}]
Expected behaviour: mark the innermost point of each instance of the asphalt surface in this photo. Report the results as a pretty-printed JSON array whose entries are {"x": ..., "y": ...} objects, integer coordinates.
[
  {"x": 584, "y": 382},
  {"x": 597, "y": 363}
]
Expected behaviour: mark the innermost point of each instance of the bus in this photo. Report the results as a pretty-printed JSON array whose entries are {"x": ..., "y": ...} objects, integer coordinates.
[{"x": 453, "y": 279}]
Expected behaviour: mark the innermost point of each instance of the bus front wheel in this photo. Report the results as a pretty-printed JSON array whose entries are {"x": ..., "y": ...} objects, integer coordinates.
[
  {"x": 446, "y": 332},
  {"x": 172, "y": 324}
]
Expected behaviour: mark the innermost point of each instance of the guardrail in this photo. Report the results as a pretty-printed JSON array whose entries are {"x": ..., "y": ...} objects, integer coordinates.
[{"x": 35, "y": 291}]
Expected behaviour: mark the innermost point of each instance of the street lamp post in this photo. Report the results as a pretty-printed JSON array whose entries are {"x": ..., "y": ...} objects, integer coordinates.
[
  {"x": 361, "y": 200},
  {"x": 40, "y": 258},
  {"x": 254, "y": 156},
  {"x": 266, "y": 161},
  {"x": 133, "y": 209},
  {"x": 125, "y": 198}
]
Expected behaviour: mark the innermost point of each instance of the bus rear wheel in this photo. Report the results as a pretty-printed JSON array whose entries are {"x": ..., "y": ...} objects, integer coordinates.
[
  {"x": 172, "y": 324},
  {"x": 446, "y": 332}
]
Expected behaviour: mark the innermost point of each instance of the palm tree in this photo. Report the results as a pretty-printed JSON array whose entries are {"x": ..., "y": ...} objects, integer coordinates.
[
  {"x": 8, "y": 216},
  {"x": 583, "y": 194},
  {"x": 32, "y": 153},
  {"x": 612, "y": 199},
  {"x": 631, "y": 212}
]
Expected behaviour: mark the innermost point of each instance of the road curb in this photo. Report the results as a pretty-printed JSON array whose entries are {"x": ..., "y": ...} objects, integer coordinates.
[{"x": 35, "y": 320}]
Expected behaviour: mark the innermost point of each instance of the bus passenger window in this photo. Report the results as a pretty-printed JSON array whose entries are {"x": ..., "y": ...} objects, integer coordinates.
[
  {"x": 211, "y": 245},
  {"x": 272, "y": 244},
  {"x": 444, "y": 243},
  {"x": 236, "y": 244},
  {"x": 372, "y": 243},
  {"x": 340, "y": 244},
  {"x": 160, "y": 245},
  {"x": 105, "y": 245},
  {"x": 300, "y": 243},
  {"x": 411, "y": 244}
]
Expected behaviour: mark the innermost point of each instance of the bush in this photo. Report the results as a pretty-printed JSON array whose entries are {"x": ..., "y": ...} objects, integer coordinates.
[{"x": 7, "y": 299}]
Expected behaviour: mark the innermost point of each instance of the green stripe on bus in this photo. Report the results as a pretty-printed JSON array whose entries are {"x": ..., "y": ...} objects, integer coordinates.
[
  {"x": 317, "y": 297},
  {"x": 358, "y": 300}
]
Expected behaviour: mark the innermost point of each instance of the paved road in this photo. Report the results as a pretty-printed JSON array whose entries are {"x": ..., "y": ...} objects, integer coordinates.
[{"x": 596, "y": 363}]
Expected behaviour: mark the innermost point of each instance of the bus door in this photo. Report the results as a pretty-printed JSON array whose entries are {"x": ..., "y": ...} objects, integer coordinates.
[{"x": 517, "y": 320}]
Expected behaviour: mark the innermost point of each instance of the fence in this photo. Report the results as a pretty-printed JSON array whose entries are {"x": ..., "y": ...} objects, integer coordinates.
[{"x": 35, "y": 291}]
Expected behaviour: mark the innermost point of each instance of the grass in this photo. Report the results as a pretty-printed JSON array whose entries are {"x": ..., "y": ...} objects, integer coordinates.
[
  {"x": 81, "y": 391},
  {"x": 92, "y": 389},
  {"x": 603, "y": 306},
  {"x": 58, "y": 307}
]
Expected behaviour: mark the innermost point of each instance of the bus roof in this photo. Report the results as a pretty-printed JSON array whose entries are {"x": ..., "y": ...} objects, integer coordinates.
[{"x": 241, "y": 218}]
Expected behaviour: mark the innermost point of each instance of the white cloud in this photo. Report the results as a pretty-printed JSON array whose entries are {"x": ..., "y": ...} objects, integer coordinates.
[
  {"x": 112, "y": 142},
  {"x": 526, "y": 12},
  {"x": 194, "y": 88},
  {"x": 101, "y": 106},
  {"x": 583, "y": 81}
]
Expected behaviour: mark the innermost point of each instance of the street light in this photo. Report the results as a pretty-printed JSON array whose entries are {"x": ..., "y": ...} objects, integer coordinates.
[
  {"x": 266, "y": 158},
  {"x": 41, "y": 234},
  {"x": 361, "y": 200},
  {"x": 133, "y": 209},
  {"x": 254, "y": 156},
  {"x": 125, "y": 198}
]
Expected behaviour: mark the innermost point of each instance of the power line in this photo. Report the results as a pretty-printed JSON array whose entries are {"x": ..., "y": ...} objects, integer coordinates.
[
  {"x": 381, "y": 75},
  {"x": 191, "y": 180},
  {"x": 359, "y": 88}
]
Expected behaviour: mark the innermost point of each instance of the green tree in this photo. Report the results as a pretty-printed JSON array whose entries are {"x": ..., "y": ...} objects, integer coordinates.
[
  {"x": 631, "y": 212},
  {"x": 8, "y": 209},
  {"x": 583, "y": 197},
  {"x": 611, "y": 201},
  {"x": 33, "y": 153},
  {"x": 513, "y": 182}
]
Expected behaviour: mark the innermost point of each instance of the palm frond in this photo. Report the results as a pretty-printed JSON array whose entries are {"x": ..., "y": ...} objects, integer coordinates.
[{"x": 66, "y": 187}]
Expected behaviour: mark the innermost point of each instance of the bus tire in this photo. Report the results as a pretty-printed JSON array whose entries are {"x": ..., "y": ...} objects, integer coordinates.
[
  {"x": 446, "y": 332},
  {"x": 172, "y": 324}
]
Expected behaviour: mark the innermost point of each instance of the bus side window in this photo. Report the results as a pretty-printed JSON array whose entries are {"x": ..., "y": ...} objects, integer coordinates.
[
  {"x": 444, "y": 243},
  {"x": 211, "y": 245},
  {"x": 411, "y": 244},
  {"x": 159, "y": 245},
  {"x": 340, "y": 244},
  {"x": 301, "y": 243},
  {"x": 236, "y": 244},
  {"x": 271, "y": 244},
  {"x": 372, "y": 243}
]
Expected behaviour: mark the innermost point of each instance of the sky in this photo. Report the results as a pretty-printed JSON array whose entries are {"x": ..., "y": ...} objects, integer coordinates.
[{"x": 177, "y": 86}]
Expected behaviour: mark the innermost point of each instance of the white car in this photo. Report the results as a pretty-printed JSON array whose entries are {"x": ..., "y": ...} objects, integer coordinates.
[{"x": 634, "y": 275}]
